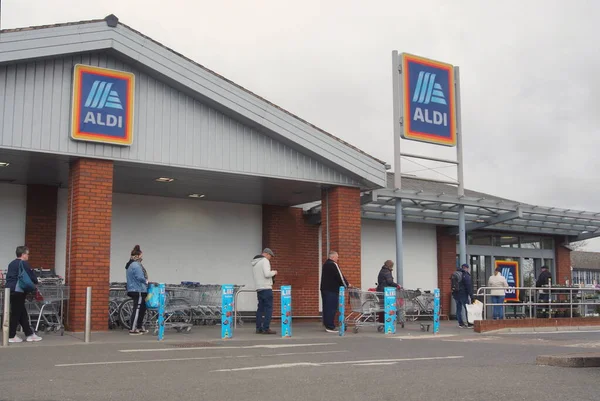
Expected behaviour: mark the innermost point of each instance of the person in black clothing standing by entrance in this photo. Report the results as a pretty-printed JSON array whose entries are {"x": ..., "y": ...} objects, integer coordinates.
[
  {"x": 544, "y": 279},
  {"x": 331, "y": 281}
]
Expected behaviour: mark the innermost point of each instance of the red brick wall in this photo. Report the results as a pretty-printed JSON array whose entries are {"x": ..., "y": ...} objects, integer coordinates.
[
  {"x": 40, "y": 225},
  {"x": 481, "y": 326},
  {"x": 344, "y": 229},
  {"x": 446, "y": 256},
  {"x": 563, "y": 262},
  {"x": 296, "y": 247},
  {"x": 88, "y": 240}
]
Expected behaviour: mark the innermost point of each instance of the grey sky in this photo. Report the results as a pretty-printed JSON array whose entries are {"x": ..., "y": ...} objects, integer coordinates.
[{"x": 530, "y": 91}]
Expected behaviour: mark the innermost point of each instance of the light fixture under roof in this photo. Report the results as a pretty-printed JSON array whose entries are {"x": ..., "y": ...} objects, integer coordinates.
[
  {"x": 164, "y": 179},
  {"x": 196, "y": 195},
  {"x": 4, "y": 164}
]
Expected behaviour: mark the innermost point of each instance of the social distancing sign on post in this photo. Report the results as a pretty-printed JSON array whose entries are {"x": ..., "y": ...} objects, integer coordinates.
[
  {"x": 162, "y": 300},
  {"x": 436, "y": 311},
  {"x": 389, "y": 302},
  {"x": 286, "y": 311},
  {"x": 342, "y": 310},
  {"x": 226, "y": 311}
]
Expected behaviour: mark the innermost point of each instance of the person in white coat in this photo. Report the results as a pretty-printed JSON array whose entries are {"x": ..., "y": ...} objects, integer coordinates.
[
  {"x": 499, "y": 284},
  {"x": 263, "y": 281}
]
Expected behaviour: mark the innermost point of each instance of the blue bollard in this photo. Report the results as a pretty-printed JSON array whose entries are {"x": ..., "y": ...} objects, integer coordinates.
[
  {"x": 342, "y": 308},
  {"x": 436, "y": 311},
  {"x": 286, "y": 311},
  {"x": 226, "y": 311},
  {"x": 162, "y": 299},
  {"x": 389, "y": 302}
]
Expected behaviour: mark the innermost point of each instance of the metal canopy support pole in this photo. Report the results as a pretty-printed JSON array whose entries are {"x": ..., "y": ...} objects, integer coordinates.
[
  {"x": 462, "y": 234},
  {"x": 397, "y": 103}
]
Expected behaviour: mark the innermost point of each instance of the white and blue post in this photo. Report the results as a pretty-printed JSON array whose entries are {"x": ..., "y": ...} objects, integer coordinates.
[
  {"x": 162, "y": 299},
  {"x": 389, "y": 302},
  {"x": 226, "y": 311},
  {"x": 342, "y": 308},
  {"x": 436, "y": 311},
  {"x": 286, "y": 311}
]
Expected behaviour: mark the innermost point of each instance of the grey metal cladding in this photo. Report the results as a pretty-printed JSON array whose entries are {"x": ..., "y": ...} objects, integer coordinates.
[
  {"x": 171, "y": 128},
  {"x": 211, "y": 88}
]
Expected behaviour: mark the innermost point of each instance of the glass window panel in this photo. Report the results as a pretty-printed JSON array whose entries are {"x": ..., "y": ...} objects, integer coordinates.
[
  {"x": 531, "y": 242},
  {"x": 480, "y": 239},
  {"x": 506, "y": 241},
  {"x": 547, "y": 243}
]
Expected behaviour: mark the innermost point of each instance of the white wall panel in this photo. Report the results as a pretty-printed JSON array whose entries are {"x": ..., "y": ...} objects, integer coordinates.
[
  {"x": 420, "y": 252},
  {"x": 13, "y": 206},
  {"x": 187, "y": 240}
]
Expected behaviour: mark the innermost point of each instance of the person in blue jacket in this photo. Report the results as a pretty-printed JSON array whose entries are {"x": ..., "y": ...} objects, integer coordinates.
[
  {"x": 18, "y": 313},
  {"x": 137, "y": 289}
]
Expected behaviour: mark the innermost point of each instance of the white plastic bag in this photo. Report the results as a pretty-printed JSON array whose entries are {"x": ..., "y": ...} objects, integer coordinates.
[{"x": 474, "y": 312}]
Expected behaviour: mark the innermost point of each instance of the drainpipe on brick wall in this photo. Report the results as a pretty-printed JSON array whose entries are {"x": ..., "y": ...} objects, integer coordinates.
[{"x": 327, "y": 221}]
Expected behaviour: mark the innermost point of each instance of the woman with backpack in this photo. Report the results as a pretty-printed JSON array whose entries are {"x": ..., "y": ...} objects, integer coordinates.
[{"x": 18, "y": 312}]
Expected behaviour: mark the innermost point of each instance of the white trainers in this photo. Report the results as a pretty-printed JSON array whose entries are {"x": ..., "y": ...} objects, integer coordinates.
[
  {"x": 33, "y": 338},
  {"x": 15, "y": 339}
]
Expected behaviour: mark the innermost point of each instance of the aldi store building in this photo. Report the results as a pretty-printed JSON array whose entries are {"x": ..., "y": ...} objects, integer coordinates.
[{"x": 109, "y": 139}]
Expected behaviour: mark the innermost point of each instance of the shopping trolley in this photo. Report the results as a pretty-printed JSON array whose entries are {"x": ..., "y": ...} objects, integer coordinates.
[
  {"x": 417, "y": 305},
  {"x": 364, "y": 306}
]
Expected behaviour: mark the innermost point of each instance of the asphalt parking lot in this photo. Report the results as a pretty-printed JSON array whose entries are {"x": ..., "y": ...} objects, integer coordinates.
[{"x": 313, "y": 365}]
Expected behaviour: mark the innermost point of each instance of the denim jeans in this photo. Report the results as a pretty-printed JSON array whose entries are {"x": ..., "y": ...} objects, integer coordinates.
[
  {"x": 498, "y": 310},
  {"x": 264, "y": 313},
  {"x": 330, "y": 306},
  {"x": 461, "y": 307}
]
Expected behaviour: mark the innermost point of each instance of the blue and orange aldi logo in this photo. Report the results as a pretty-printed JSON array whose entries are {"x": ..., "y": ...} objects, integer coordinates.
[
  {"x": 102, "y": 109},
  {"x": 429, "y": 103}
]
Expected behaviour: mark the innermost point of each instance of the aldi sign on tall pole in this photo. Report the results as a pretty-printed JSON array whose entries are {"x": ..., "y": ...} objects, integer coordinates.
[
  {"x": 426, "y": 109},
  {"x": 429, "y": 106}
]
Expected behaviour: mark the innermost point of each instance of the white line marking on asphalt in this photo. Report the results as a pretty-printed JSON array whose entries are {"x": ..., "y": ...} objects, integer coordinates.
[
  {"x": 63, "y": 365},
  {"x": 471, "y": 339},
  {"x": 432, "y": 337},
  {"x": 267, "y": 346},
  {"x": 375, "y": 364},
  {"x": 302, "y": 364}
]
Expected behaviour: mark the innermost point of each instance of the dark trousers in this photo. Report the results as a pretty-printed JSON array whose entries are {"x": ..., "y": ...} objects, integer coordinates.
[
  {"x": 18, "y": 315},
  {"x": 264, "y": 312},
  {"x": 461, "y": 300},
  {"x": 139, "y": 309},
  {"x": 330, "y": 306}
]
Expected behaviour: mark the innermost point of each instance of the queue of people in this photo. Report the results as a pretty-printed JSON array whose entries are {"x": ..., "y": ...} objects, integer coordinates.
[{"x": 20, "y": 276}]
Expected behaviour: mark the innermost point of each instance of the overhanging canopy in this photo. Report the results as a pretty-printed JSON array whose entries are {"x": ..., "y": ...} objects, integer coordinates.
[{"x": 481, "y": 213}]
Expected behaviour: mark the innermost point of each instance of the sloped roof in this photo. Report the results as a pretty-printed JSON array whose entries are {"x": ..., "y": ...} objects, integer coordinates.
[
  {"x": 585, "y": 260},
  {"x": 415, "y": 184},
  {"x": 350, "y": 158}
]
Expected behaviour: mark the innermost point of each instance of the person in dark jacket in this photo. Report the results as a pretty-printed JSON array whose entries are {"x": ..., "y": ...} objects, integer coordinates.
[
  {"x": 464, "y": 296},
  {"x": 331, "y": 281},
  {"x": 542, "y": 280},
  {"x": 385, "y": 279},
  {"x": 18, "y": 313}
]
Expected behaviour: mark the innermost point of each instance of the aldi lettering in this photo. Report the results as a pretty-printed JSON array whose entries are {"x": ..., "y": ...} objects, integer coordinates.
[
  {"x": 102, "y": 109},
  {"x": 428, "y": 101}
]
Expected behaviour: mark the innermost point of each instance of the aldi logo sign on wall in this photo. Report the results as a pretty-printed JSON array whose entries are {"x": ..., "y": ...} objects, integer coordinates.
[
  {"x": 510, "y": 271},
  {"x": 102, "y": 109},
  {"x": 429, "y": 107}
]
